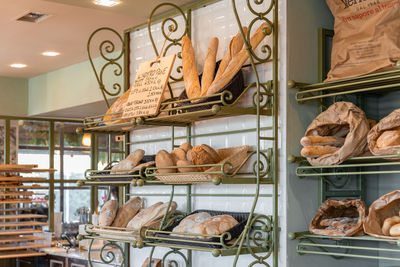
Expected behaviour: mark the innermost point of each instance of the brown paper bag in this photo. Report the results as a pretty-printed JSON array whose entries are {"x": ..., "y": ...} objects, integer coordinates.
[
  {"x": 384, "y": 207},
  {"x": 366, "y": 37},
  {"x": 332, "y": 208},
  {"x": 342, "y": 119},
  {"x": 387, "y": 123}
]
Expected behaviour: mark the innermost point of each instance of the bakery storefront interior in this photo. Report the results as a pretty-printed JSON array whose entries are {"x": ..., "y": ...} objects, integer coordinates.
[{"x": 200, "y": 133}]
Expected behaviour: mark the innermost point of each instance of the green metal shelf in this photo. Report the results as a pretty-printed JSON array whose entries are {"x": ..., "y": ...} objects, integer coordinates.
[
  {"x": 377, "y": 83},
  {"x": 340, "y": 247},
  {"x": 305, "y": 170}
]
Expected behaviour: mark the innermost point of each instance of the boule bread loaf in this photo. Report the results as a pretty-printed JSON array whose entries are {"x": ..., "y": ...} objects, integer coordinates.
[
  {"x": 215, "y": 225},
  {"x": 182, "y": 163},
  {"x": 318, "y": 151},
  {"x": 127, "y": 211},
  {"x": 204, "y": 154},
  {"x": 209, "y": 66},
  {"x": 164, "y": 159},
  {"x": 186, "y": 146},
  {"x": 189, "y": 67},
  {"x": 108, "y": 212},
  {"x": 178, "y": 154},
  {"x": 187, "y": 224},
  {"x": 322, "y": 141}
]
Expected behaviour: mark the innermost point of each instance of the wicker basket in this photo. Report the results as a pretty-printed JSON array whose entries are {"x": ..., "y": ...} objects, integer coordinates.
[{"x": 234, "y": 155}]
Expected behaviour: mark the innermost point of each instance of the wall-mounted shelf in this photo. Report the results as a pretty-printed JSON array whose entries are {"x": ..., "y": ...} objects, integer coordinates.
[
  {"x": 340, "y": 247},
  {"x": 376, "y": 83}
]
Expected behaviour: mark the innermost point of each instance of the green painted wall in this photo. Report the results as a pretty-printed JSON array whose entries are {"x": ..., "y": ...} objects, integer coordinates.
[
  {"x": 68, "y": 87},
  {"x": 14, "y": 96}
]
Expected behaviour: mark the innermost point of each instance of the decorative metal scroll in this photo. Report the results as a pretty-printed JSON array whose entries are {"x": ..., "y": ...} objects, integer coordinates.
[
  {"x": 106, "y": 48},
  {"x": 108, "y": 256},
  {"x": 172, "y": 25}
]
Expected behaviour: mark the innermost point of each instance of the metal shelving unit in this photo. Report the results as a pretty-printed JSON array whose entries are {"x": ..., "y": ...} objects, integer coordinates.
[{"x": 260, "y": 235}]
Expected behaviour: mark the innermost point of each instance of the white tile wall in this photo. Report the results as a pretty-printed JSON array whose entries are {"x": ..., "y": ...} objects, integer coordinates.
[{"x": 213, "y": 20}]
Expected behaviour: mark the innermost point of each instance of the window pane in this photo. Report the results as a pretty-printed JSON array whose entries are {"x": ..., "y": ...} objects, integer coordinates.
[
  {"x": 76, "y": 205},
  {"x": 75, "y": 164},
  {"x": 33, "y": 133}
]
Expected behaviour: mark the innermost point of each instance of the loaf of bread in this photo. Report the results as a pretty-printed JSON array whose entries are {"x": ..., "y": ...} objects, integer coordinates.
[
  {"x": 209, "y": 66},
  {"x": 237, "y": 61},
  {"x": 186, "y": 146},
  {"x": 395, "y": 230},
  {"x": 388, "y": 223},
  {"x": 151, "y": 215},
  {"x": 317, "y": 151},
  {"x": 187, "y": 224},
  {"x": 235, "y": 46},
  {"x": 108, "y": 212},
  {"x": 215, "y": 225},
  {"x": 190, "y": 75},
  {"x": 204, "y": 154},
  {"x": 117, "y": 106},
  {"x": 388, "y": 138},
  {"x": 131, "y": 161},
  {"x": 164, "y": 159},
  {"x": 322, "y": 141},
  {"x": 178, "y": 154},
  {"x": 127, "y": 211},
  {"x": 182, "y": 163},
  {"x": 341, "y": 224}
]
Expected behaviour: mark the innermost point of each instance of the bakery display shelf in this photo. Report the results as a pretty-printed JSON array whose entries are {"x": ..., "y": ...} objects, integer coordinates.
[
  {"x": 16, "y": 186},
  {"x": 25, "y": 170},
  {"x": 340, "y": 247},
  {"x": 22, "y": 224},
  {"x": 24, "y": 231},
  {"x": 21, "y": 179},
  {"x": 376, "y": 83},
  {"x": 21, "y": 200},
  {"x": 354, "y": 166},
  {"x": 21, "y": 254},
  {"x": 22, "y": 216},
  {"x": 21, "y": 193},
  {"x": 6, "y": 239},
  {"x": 19, "y": 246}
]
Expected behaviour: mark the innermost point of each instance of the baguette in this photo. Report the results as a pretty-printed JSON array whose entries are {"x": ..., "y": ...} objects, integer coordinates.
[
  {"x": 237, "y": 61},
  {"x": 127, "y": 211},
  {"x": 235, "y": 46},
  {"x": 322, "y": 141},
  {"x": 388, "y": 138},
  {"x": 108, "y": 212},
  {"x": 317, "y": 151},
  {"x": 151, "y": 215},
  {"x": 131, "y": 161},
  {"x": 190, "y": 76},
  {"x": 209, "y": 66}
]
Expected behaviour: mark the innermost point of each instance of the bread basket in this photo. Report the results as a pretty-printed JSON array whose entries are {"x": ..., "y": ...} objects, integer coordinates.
[{"x": 234, "y": 155}]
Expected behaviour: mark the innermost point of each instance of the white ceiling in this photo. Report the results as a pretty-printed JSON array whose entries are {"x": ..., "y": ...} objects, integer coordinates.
[{"x": 66, "y": 31}]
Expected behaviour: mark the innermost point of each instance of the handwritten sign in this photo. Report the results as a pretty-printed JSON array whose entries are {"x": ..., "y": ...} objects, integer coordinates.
[{"x": 148, "y": 88}]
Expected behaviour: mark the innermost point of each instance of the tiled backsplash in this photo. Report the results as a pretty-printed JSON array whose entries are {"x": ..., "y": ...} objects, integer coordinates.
[{"x": 213, "y": 20}]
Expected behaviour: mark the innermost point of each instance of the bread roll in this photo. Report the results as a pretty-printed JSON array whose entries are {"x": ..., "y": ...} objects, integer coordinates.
[
  {"x": 178, "y": 154},
  {"x": 189, "y": 155},
  {"x": 237, "y": 61},
  {"x": 164, "y": 159},
  {"x": 204, "y": 155},
  {"x": 186, "y": 146},
  {"x": 388, "y": 223},
  {"x": 395, "y": 230},
  {"x": 322, "y": 141},
  {"x": 185, "y": 163},
  {"x": 388, "y": 138},
  {"x": 108, "y": 212},
  {"x": 190, "y": 75},
  {"x": 127, "y": 211},
  {"x": 209, "y": 66},
  {"x": 235, "y": 46},
  {"x": 317, "y": 151},
  {"x": 131, "y": 161},
  {"x": 151, "y": 215},
  {"x": 215, "y": 225}
]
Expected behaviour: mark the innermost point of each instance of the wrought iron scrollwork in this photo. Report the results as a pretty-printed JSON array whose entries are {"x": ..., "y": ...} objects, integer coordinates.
[
  {"x": 172, "y": 25},
  {"x": 108, "y": 256},
  {"x": 260, "y": 237},
  {"x": 106, "y": 49},
  {"x": 174, "y": 263}
]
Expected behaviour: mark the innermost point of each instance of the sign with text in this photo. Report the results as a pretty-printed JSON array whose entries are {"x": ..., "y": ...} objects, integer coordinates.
[{"x": 148, "y": 88}]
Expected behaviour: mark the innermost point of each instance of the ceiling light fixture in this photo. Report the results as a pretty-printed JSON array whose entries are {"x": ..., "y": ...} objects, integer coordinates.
[
  {"x": 18, "y": 65},
  {"x": 108, "y": 3},
  {"x": 50, "y": 53}
]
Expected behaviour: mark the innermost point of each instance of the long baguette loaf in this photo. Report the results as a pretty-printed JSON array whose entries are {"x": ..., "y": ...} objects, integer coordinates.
[
  {"x": 317, "y": 151},
  {"x": 237, "y": 61},
  {"x": 209, "y": 66},
  {"x": 235, "y": 46},
  {"x": 190, "y": 76},
  {"x": 150, "y": 215},
  {"x": 388, "y": 138},
  {"x": 322, "y": 141},
  {"x": 108, "y": 212},
  {"x": 127, "y": 211}
]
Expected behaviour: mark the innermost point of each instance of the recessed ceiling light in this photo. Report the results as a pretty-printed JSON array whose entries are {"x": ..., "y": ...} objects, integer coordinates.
[
  {"x": 50, "y": 53},
  {"x": 108, "y": 3},
  {"x": 18, "y": 65}
]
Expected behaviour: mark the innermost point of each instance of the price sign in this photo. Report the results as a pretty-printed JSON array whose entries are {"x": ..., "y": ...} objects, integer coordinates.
[{"x": 148, "y": 88}]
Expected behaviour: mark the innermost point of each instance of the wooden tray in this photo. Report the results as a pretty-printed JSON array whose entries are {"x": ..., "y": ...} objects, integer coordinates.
[
  {"x": 22, "y": 216},
  {"x": 18, "y": 246},
  {"x": 20, "y": 231},
  {"x": 20, "y": 254},
  {"x": 21, "y": 224},
  {"x": 6, "y": 239}
]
